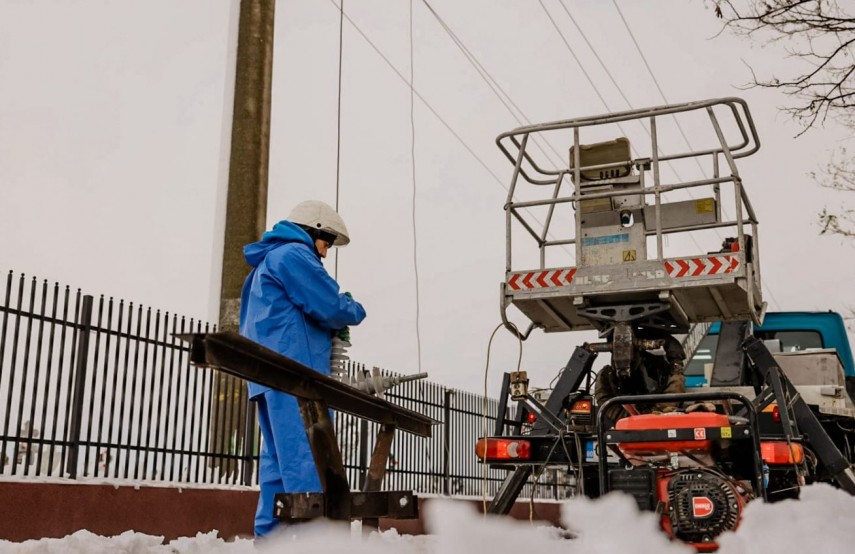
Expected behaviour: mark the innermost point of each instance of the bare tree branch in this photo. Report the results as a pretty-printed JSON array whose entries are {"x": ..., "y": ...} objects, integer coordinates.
[
  {"x": 820, "y": 34},
  {"x": 838, "y": 174},
  {"x": 817, "y": 35}
]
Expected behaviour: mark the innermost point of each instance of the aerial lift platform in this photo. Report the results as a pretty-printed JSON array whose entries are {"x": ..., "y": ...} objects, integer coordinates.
[
  {"x": 624, "y": 210},
  {"x": 619, "y": 272}
]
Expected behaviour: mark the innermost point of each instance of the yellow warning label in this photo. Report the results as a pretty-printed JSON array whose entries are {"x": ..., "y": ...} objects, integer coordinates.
[
  {"x": 726, "y": 433},
  {"x": 629, "y": 255},
  {"x": 705, "y": 206}
]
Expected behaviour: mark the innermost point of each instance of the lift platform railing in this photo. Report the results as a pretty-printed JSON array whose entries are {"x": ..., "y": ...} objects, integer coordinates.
[
  {"x": 741, "y": 266},
  {"x": 511, "y": 142}
]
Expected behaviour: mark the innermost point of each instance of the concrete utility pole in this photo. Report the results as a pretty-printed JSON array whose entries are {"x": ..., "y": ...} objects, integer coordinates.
[
  {"x": 246, "y": 210},
  {"x": 232, "y": 423}
]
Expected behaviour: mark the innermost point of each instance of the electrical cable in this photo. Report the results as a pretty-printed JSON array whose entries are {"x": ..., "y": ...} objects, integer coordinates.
[
  {"x": 419, "y": 384},
  {"x": 614, "y": 81},
  {"x": 413, "y": 165},
  {"x": 580, "y": 479},
  {"x": 427, "y": 104},
  {"x": 504, "y": 98},
  {"x": 338, "y": 124},
  {"x": 664, "y": 99},
  {"x": 577, "y": 467},
  {"x": 597, "y": 90},
  {"x": 418, "y": 95},
  {"x": 655, "y": 80},
  {"x": 484, "y": 430},
  {"x": 620, "y": 91},
  {"x": 557, "y": 376},
  {"x": 535, "y": 475},
  {"x": 491, "y": 82}
]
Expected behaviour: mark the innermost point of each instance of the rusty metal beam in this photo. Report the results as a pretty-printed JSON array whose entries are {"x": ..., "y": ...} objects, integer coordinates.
[
  {"x": 237, "y": 355},
  {"x": 379, "y": 458},
  {"x": 377, "y": 469},
  {"x": 327, "y": 455}
]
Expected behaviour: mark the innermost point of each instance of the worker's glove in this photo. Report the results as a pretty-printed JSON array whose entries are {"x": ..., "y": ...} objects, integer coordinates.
[
  {"x": 660, "y": 409},
  {"x": 344, "y": 334},
  {"x": 347, "y": 294},
  {"x": 700, "y": 407}
]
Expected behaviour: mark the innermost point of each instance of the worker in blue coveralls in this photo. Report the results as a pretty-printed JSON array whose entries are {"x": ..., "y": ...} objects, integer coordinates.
[{"x": 290, "y": 304}]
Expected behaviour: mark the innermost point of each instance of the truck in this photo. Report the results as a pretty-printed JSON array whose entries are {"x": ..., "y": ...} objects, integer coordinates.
[
  {"x": 647, "y": 240},
  {"x": 813, "y": 351}
]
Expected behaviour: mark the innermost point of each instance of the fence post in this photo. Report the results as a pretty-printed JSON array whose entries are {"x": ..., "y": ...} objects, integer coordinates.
[
  {"x": 446, "y": 450},
  {"x": 249, "y": 442},
  {"x": 85, "y": 328},
  {"x": 363, "y": 453}
]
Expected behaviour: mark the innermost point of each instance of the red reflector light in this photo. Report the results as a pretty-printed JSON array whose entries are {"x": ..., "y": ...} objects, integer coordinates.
[
  {"x": 503, "y": 449},
  {"x": 531, "y": 417},
  {"x": 775, "y": 411},
  {"x": 581, "y": 407},
  {"x": 778, "y": 452}
]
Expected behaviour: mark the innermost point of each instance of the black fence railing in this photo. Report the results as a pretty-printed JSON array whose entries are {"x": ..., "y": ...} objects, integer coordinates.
[{"x": 102, "y": 388}]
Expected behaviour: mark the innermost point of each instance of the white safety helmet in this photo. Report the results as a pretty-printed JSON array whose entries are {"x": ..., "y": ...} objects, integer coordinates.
[{"x": 316, "y": 215}]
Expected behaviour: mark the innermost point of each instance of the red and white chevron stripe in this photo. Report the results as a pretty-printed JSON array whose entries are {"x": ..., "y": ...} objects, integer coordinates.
[
  {"x": 542, "y": 279},
  {"x": 699, "y": 267}
]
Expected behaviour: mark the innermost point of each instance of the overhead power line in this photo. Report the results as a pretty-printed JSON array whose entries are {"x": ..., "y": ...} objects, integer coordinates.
[
  {"x": 516, "y": 112},
  {"x": 427, "y": 104},
  {"x": 582, "y": 69},
  {"x": 505, "y": 98},
  {"x": 665, "y": 99},
  {"x": 655, "y": 81},
  {"x": 597, "y": 90},
  {"x": 418, "y": 95},
  {"x": 620, "y": 89}
]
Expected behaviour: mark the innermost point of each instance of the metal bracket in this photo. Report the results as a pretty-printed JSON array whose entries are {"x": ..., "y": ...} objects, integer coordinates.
[
  {"x": 518, "y": 385},
  {"x": 578, "y": 367},
  {"x": 296, "y": 507}
]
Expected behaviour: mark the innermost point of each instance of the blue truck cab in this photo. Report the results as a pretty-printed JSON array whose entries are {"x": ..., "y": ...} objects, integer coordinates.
[{"x": 796, "y": 331}]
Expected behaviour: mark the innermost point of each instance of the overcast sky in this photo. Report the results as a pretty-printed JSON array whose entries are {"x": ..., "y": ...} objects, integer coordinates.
[{"x": 115, "y": 122}]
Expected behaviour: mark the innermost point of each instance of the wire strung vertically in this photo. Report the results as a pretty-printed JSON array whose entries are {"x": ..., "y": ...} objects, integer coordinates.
[
  {"x": 338, "y": 122},
  {"x": 413, "y": 165}
]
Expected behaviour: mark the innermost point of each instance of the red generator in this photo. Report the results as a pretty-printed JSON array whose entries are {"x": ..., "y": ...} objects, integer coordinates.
[{"x": 696, "y": 470}]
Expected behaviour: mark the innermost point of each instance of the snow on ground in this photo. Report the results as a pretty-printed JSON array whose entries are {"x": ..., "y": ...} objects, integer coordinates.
[{"x": 822, "y": 521}]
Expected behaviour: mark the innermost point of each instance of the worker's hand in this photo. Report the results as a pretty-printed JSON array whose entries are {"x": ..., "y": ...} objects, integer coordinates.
[
  {"x": 347, "y": 294},
  {"x": 344, "y": 334}
]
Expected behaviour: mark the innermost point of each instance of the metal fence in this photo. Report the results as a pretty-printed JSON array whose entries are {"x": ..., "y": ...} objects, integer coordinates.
[{"x": 103, "y": 388}]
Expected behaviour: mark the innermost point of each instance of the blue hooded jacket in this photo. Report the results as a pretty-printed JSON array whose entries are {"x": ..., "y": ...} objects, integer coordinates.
[{"x": 289, "y": 303}]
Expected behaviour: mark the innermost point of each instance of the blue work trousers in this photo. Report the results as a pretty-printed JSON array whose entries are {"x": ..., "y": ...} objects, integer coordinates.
[{"x": 286, "y": 463}]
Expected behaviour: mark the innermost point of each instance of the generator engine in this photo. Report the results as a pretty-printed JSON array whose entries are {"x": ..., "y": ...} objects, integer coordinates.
[{"x": 680, "y": 480}]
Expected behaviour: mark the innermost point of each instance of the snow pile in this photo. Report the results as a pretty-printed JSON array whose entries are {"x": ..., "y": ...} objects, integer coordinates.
[
  {"x": 127, "y": 542},
  {"x": 822, "y": 521},
  {"x": 605, "y": 526}
]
